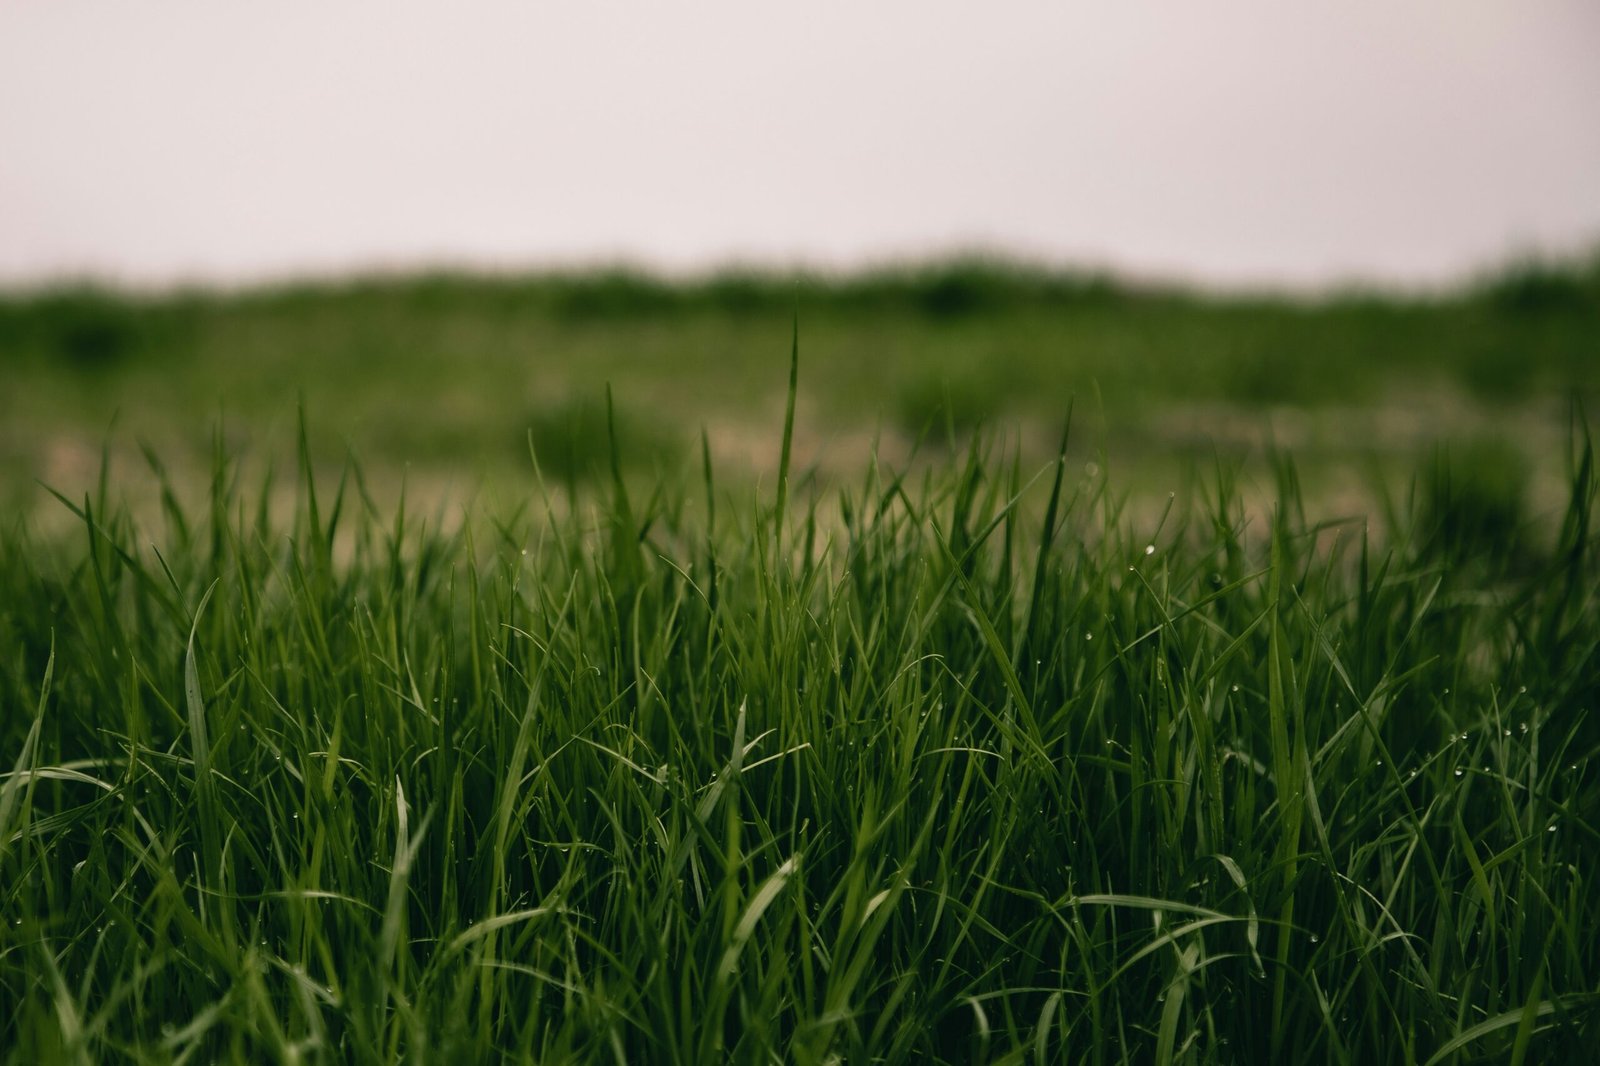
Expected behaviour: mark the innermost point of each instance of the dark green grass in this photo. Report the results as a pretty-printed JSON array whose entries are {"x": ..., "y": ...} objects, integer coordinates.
[{"x": 977, "y": 767}]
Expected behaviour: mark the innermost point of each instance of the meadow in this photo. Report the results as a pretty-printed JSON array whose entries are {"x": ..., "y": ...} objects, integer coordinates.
[
  {"x": 975, "y": 751},
  {"x": 437, "y": 380}
]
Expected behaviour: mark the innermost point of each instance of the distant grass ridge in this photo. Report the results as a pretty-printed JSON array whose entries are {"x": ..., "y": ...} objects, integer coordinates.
[
  {"x": 975, "y": 768},
  {"x": 437, "y": 377},
  {"x": 947, "y": 286}
]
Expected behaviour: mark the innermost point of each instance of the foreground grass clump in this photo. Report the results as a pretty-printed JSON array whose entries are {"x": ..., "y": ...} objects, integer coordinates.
[{"x": 969, "y": 770}]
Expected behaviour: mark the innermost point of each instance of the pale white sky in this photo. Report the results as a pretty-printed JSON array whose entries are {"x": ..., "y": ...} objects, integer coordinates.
[{"x": 1229, "y": 141}]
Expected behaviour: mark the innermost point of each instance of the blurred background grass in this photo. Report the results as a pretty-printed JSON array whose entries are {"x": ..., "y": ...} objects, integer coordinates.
[{"x": 440, "y": 381}]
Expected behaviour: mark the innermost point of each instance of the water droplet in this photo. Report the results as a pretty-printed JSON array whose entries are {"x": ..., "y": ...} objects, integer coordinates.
[
  {"x": 1552, "y": 829},
  {"x": 1235, "y": 688},
  {"x": 1149, "y": 549},
  {"x": 1522, "y": 690},
  {"x": 1088, "y": 636},
  {"x": 1315, "y": 939},
  {"x": 1459, "y": 771}
]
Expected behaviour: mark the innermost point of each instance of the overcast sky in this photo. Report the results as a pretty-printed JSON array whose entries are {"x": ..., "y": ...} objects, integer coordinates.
[{"x": 1229, "y": 141}]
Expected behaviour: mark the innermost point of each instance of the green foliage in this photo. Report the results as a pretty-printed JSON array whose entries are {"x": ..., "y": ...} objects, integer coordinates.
[
  {"x": 944, "y": 408},
  {"x": 571, "y": 442},
  {"x": 1474, "y": 501},
  {"x": 1538, "y": 286},
  {"x": 432, "y": 377},
  {"x": 85, "y": 329},
  {"x": 967, "y": 768}
]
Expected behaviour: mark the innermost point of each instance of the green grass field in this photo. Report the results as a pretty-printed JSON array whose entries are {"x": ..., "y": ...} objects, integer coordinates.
[
  {"x": 971, "y": 763},
  {"x": 436, "y": 381}
]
